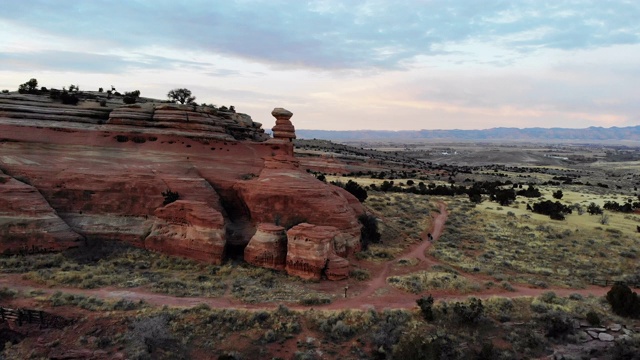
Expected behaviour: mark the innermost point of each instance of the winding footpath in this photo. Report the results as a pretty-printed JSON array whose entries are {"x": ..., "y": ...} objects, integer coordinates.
[{"x": 375, "y": 293}]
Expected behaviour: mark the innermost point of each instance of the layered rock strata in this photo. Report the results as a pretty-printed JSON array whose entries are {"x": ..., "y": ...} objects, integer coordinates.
[
  {"x": 311, "y": 254},
  {"x": 212, "y": 122},
  {"x": 268, "y": 247},
  {"x": 190, "y": 229},
  {"x": 201, "y": 120},
  {"x": 33, "y": 107},
  {"x": 106, "y": 181},
  {"x": 283, "y": 130},
  {"x": 28, "y": 224}
]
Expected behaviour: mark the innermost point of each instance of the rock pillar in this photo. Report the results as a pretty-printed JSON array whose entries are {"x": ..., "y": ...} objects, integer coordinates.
[{"x": 283, "y": 130}]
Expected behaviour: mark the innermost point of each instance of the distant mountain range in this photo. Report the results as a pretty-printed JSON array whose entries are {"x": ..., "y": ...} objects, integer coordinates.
[{"x": 631, "y": 133}]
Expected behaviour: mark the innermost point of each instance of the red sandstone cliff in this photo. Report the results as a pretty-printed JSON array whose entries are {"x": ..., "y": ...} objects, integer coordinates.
[
  {"x": 28, "y": 223},
  {"x": 104, "y": 174},
  {"x": 190, "y": 229},
  {"x": 268, "y": 247},
  {"x": 311, "y": 254}
]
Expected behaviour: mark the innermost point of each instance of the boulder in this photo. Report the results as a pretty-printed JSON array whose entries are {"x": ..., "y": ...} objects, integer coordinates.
[
  {"x": 605, "y": 337},
  {"x": 190, "y": 229},
  {"x": 242, "y": 119},
  {"x": 268, "y": 247},
  {"x": 310, "y": 253}
]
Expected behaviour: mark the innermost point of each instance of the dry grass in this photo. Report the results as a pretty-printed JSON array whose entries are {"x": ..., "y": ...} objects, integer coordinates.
[
  {"x": 124, "y": 266},
  {"x": 534, "y": 249},
  {"x": 424, "y": 281}
]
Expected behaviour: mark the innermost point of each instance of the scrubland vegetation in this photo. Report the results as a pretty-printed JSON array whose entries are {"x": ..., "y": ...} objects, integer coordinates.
[
  {"x": 120, "y": 265},
  {"x": 541, "y": 228},
  {"x": 493, "y": 328},
  {"x": 502, "y": 243}
]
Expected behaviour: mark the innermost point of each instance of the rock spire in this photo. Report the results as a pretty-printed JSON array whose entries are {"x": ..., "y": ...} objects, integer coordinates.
[{"x": 283, "y": 130}]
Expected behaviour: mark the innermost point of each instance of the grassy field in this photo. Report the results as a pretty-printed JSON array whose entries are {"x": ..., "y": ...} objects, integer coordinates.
[
  {"x": 516, "y": 245},
  {"x": 119, "y": 265}
]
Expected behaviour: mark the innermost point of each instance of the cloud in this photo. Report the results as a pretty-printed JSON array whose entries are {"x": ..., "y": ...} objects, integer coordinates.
[
  {"x": 54, "y": 60},
  {"x": 334, "y": 34}
]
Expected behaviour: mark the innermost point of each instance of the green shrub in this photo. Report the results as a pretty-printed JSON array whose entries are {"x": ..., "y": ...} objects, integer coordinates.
[
  {"x": 369, "y": 234},
  {"x": 360, "y": 274},
  {"x": 624, "y": 302},
  {"x": 68, "y": 98},
  {"x": 593, "y": 318},
  {"x": 470, "y": 313},
  {"x": 314, "y": 299},
  {"x": 170, "y": 196},
  {"x": 6, "y": 293},
  {"x": 548, "y": 297},
  {"x": 426, "y": 307},
  {"x": 356, "y": 190},
  {"x": 626, "y": 348},
  {"x": 416, "y": 345},
  {"x": 558, "y": 325},
  {"x": 30, "y": 87},
  {"x": 149, "y": 337},
  {"x": 129, "y": 100}
]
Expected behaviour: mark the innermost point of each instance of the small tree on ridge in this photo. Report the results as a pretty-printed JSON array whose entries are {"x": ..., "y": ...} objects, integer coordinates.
[{"x": 183, "y": 96}]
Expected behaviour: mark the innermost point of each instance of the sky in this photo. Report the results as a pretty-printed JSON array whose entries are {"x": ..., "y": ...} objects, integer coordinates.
[{"x": 345, "y": 65}]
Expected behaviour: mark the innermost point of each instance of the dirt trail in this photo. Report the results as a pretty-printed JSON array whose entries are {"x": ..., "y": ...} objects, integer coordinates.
[{"x": 375, "y": 293}]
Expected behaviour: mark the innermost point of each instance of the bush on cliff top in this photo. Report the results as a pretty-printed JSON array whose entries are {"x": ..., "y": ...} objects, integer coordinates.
[{"x": 30, "y": 87}]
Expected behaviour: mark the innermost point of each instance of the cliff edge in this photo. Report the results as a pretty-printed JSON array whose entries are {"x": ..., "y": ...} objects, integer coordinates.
[{"x": 179, "y": 179}]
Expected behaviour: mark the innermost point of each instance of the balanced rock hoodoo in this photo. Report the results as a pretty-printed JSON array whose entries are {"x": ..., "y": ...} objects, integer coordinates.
[{"x": 284, "y": 128}]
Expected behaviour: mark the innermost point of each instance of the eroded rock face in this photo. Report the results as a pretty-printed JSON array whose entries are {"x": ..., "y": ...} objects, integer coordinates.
[
  {"x": 280, "y": 187},
  {"x": 268, "y": 247},
  {"x": 188, "y": 228},
  {"x": 203, "y": 120},
  {"x": 311, "y": 255},
  {"x": 104, "y": 179},
  {"x": 28, "y": 223}
]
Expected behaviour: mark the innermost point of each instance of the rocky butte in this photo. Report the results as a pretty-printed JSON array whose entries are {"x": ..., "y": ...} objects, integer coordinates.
[{"x": 72, "y": 174}]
